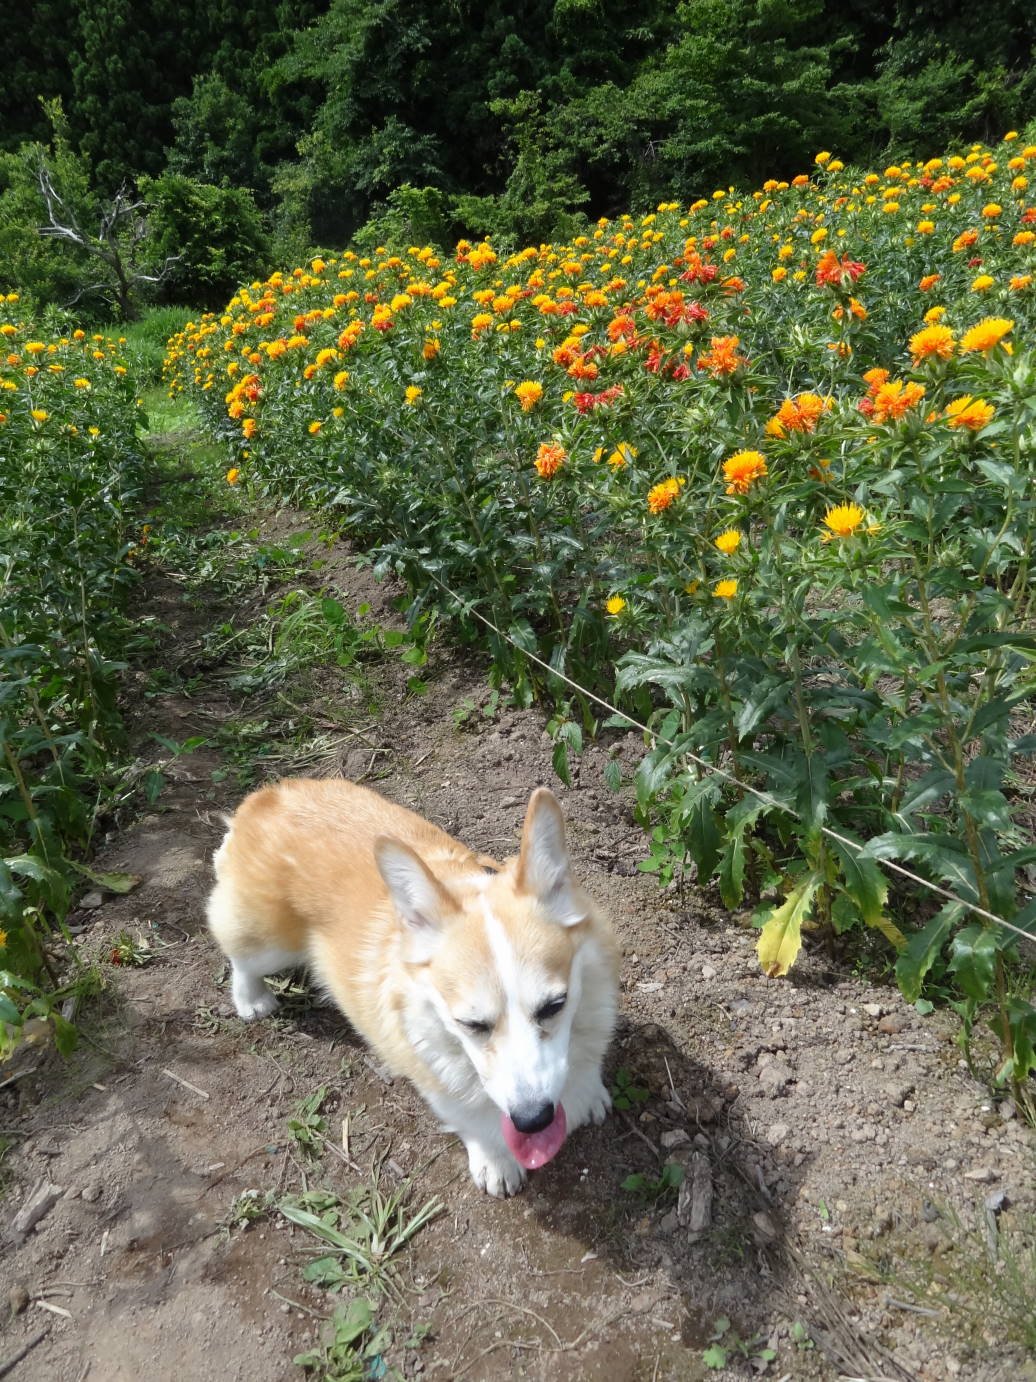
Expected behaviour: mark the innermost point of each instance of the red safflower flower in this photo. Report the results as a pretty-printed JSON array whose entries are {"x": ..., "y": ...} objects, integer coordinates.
[
  {"x": 838, "y": 273},
  {"x": 587, "y": 402}
]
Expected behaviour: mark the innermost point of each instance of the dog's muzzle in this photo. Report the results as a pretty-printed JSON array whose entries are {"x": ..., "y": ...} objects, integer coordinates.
[{"x": 532, "y": 1117}]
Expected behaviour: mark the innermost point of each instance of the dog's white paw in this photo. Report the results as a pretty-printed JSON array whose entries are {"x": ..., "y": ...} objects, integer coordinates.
[
  {"x": 589, "y": 1103},
  {"x": 256, "y": 1005},
  {"x": 496, "y": 1175}
]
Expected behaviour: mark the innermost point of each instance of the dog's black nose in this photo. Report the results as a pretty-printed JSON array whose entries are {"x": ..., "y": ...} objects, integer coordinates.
[{"x": 533, "y": 1117}]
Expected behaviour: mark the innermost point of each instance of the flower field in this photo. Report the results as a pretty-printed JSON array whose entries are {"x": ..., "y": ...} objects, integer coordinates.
[
  {"x": 761, "y": 469},
  {"x": 70, "y": 472}
]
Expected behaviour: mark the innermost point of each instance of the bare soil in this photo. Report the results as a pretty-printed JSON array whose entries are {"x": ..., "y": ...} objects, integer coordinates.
[{"x": 862, "y": 1180}]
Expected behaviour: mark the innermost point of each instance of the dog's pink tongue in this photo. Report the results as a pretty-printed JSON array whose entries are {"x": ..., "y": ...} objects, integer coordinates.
[{"x": 535, "y": 1149}]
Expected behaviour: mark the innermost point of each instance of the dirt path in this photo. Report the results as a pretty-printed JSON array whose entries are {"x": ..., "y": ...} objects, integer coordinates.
[{"x": 861, "y": 1181}]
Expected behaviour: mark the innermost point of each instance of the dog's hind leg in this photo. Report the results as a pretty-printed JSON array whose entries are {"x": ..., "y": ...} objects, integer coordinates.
[
  {"x": 248, "y": 964},
  {"x": 252, "y": 996}
]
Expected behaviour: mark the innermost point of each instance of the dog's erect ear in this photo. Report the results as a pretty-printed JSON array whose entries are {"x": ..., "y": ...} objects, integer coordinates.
[
  {"x": 543, "y": 865},
  {"x": 420, "y": 899}
]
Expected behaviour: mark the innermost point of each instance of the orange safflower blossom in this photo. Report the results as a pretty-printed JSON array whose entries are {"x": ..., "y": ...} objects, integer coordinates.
[
  {"x": 970, "y": 413},
  {"x": 725, "y": 590},
  {"x": 528, "y": 394},
  {"x": 986, "y": 334},
  {"x": 722, "y": 358},
  {"x": 932, "y": 340},
  {"x": 660, "y": 496},
  {"x": 894, "y": 398},
  {"x": 549, "y": 459},
  {"x": 798, "y": 414},
  {"x": 742, "y": 470}
]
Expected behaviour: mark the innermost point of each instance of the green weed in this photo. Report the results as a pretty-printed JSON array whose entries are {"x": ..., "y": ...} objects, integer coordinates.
[
  {"x": 365, "y": 1231},
  {"x": 648, "y": 1187},
  {"x": 727, "y": 1343}
]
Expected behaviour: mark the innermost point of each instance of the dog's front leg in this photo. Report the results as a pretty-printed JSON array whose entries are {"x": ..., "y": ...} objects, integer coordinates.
[
  {"x": 493, "y": 1168},
  {"x": 586, "y": 1098}
]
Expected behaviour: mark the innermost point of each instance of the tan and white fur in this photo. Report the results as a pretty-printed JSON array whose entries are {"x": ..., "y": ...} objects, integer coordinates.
[{"x": 493, "y": 988}]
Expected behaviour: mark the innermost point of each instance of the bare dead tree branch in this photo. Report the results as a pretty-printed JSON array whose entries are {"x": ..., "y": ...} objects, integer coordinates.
[{"x": 122, "y": 219}]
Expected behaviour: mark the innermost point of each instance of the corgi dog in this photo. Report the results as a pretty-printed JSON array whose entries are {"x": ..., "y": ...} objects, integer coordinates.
[{"x": 493, "y": 988}]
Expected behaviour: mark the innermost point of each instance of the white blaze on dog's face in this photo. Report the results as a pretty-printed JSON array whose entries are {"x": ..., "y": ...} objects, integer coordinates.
[{"x": 498, "y": 956}]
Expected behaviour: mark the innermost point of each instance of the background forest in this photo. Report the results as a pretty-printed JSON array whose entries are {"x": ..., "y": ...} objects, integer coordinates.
[{"x": 244, "y": 137}]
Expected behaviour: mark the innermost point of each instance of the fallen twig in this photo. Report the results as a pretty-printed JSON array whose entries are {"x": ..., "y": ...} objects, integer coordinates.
[
  {"x": 637, "y": 1133},
  {"x": 25, "y": 1349},
  {"x": 54, "y": 1309},
  {"x": 186, "y": 1083}
]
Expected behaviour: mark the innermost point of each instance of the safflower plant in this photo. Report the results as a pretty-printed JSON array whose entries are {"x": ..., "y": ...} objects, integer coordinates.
[
  {"x": 761, "y": 469},
  {"x": 70, "y": 474}
]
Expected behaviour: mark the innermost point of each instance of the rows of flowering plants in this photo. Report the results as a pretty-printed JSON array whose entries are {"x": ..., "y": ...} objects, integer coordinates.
[
  {"x": 761, "y": 468},
  {"x": 69, "y": 474}
]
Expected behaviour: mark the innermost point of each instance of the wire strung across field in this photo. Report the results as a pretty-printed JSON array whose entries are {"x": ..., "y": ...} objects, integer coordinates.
[{"x": 764, "y": 797}]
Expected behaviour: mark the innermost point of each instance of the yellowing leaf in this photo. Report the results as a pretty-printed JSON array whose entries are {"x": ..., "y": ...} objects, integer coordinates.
[{"x": 781, "y": 938}]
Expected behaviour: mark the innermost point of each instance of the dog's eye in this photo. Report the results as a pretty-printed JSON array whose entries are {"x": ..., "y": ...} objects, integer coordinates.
[
  {"x": 551, "y": 1008},
  {"x": 476, "y": 1028}
]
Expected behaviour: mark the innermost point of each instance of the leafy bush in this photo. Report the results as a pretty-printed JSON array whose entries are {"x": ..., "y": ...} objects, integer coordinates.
[
  {"x": 212, "y": 237},
  {"x": 69, "y": 474},
  {"x": 762, "y": 470}
]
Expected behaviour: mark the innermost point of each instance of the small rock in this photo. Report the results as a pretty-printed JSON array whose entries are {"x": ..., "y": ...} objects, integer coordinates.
[
  {"x": 708, "y": 972},
  {"x": 775, "y": 1078},
  {"x": 873, "y": 1009},
  {"x": 91, "y": 1193},
  {"x": 996, "y": 1200},
  {"x": 669, "y": 1222},
  {"x": 92, "y": 901},
  {"x": 776, "y": 1133},
  {"x": 40, "y": 1200},
  {"x": 981, "y": 1173},
  {"x": 898, "y": 1094},
  {"x": 1006, "y": 1109},
  {"x": 18, "y": 1299},
  {"x": 676, "y": 1137},
  {"x": 764, "y": 1224},
  {"x": 892, "y": 1025}
]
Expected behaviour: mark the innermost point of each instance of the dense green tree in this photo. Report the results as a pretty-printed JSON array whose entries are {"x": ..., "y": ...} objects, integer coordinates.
[
  {"x": 36, "y": 39},
  {"x": 215, "y": 134},
  {"x": 41, "y": 269}
]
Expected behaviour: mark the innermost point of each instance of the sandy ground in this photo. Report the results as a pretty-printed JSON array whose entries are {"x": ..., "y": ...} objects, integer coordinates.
[{"x": 861, "y": 1180}]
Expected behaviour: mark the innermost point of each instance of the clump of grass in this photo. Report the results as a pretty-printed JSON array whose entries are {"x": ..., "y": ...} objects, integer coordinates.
[
  {"x": 361, "y": 1235},
  {"x": 144, "y": 342}
]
